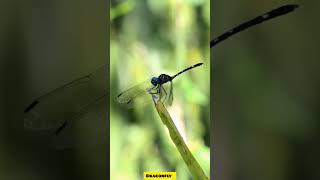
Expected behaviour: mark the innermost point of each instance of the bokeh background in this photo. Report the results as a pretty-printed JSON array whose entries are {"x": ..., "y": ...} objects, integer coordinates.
[
  {"x": 148, "y": 38},
  {"x": 44, "y": 45},
  {"x": 266, "y": 93}
]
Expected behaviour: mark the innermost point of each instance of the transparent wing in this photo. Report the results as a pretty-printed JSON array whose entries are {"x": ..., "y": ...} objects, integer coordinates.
[
  {"x": 170, "y": 98},
  {"x": 87, "y": 128},
  {"x": 138, "y": 94},
  {"x": 54, "y": 109}
]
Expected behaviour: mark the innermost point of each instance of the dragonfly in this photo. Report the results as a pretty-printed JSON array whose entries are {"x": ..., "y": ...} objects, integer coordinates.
[
  {"x": 282, "y": 10},
  {"x": 153, "y": 87}
]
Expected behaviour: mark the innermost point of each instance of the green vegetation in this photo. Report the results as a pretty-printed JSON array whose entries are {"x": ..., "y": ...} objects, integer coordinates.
[{"x": 149, "y": 38}]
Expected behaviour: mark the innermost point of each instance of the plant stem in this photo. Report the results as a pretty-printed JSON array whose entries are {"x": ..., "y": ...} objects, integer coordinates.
[{"x": 184, "y": 151}]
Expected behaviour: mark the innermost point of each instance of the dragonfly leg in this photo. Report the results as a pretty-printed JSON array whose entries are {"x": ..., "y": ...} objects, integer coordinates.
[{"x": 155, "y": 87}]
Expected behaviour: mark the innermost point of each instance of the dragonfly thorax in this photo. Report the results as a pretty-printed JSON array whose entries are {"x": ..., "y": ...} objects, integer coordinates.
[{"x": 163, "y": 78}]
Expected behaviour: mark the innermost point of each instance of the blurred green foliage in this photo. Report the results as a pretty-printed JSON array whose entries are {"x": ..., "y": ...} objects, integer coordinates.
[
  {"x": 149, "y": 38},
  {"x": 266, "y": 114}
]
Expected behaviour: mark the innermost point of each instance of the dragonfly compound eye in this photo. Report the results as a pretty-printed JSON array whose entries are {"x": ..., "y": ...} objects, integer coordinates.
[{"x": 154, "y": 81}]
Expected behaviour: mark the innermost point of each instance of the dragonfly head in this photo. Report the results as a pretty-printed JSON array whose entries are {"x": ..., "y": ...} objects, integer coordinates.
[{"x": 155, "y": 81}]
